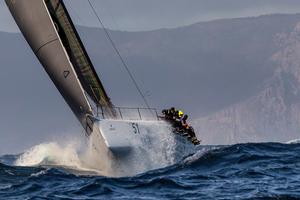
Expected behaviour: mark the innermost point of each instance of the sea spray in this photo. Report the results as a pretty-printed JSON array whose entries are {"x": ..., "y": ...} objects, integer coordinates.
[
  {"x": 157, "y": 148},
  {"x": 51, "y": 153},
  {"x": 75, "y": 154}
]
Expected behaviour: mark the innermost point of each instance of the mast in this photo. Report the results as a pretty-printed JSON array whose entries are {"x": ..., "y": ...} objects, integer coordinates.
[{"x": 52, "y": 36}]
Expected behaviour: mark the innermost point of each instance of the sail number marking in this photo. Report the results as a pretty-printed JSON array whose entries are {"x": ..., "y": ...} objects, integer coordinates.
[{"x": 136, "y": 128}]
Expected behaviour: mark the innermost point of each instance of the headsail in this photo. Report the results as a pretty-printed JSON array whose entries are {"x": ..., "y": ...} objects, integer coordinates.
[
  {"x": 78, "y": 55},
  {"x": 61, "y": 53}
]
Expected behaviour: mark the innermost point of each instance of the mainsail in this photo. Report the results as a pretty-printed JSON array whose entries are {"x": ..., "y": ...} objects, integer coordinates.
[{"x": 47, "y": 27}]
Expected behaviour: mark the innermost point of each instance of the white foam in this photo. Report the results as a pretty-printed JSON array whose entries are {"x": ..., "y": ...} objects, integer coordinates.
[
  {"x": 5, "y": 187},
  {"x": 155, "y": 150},
  {"x": 72, "y": 154},
  {"x": 296, "y": 141},
  {"x": 79, "y": 154},
  {"x": 156, "y": 147},
  {"x": 52, "y": 153},
  {"x": 200, "y": 153},
  {"x": 43, "y": 172}
]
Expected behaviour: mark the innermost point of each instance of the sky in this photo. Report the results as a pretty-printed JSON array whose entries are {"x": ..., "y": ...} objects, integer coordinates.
[{"x": 139, "y": 15}]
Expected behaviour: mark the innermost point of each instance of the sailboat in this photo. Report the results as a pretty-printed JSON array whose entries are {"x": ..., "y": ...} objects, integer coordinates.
[{"x": 52, "y": 36}]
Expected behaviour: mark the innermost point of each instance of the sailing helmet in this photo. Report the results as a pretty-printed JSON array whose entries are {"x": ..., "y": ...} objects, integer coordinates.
[{"x": 180, "y": 113}]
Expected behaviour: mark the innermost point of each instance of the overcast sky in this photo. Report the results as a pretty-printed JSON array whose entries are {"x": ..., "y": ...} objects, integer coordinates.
[{"x": 136, "y": 15}]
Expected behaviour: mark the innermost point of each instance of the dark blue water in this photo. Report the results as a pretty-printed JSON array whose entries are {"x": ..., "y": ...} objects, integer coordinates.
[{"x": 246, "y": 171}]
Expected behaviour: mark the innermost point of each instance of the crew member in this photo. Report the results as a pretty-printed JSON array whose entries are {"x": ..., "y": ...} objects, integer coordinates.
[
  {"x": 179, "y": 114},
  {"x": 169, "y": 114},
  {"x": 189, "y": 129},
  {"x": 177, "y": 120}
]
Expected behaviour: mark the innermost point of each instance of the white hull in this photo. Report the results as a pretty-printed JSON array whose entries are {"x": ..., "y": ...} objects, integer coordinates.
[{"x": 131, "y": 147}]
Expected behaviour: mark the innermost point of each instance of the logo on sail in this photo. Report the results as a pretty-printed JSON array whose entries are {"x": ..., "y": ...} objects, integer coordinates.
[{"x": 66, "y": 73}]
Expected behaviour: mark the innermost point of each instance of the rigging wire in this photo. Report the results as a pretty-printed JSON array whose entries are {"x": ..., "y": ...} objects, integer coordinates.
[{"x": 120, "y": 56}]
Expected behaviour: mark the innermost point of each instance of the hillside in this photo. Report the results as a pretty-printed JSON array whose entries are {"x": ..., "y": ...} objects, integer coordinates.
[{"x": 273, "y": 114}]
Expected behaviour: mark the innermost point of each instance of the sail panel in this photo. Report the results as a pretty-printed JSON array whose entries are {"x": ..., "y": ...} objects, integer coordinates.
[
  {"x": 34, "y": 21},
  {"x": 78, "y": 55}
]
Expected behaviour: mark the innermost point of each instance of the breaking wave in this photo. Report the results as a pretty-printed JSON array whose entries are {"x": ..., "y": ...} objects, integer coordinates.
[
  {"x": 296, "y": 141},
  {"x": 160, "y": 151},
  {"x": 54, "y": 154}
]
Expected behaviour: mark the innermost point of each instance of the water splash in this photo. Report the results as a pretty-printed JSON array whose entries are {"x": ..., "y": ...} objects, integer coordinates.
[
  {"x": 158, "y": 148},
  {"x": 54, "y": 154}
]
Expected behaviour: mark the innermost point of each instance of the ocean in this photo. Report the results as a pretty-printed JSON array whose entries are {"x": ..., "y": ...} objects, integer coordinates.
[{"x": 242, "y": 171}]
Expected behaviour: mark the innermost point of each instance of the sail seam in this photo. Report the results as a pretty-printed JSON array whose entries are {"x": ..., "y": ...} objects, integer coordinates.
[{"x": 51, "y": 41}]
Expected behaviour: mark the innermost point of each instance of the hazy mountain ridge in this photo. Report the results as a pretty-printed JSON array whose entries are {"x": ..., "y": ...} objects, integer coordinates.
[
  {"x": 205, "y": 57},
  {"x": 271, "y": 115},
  {"x": 203, "y": 68}
]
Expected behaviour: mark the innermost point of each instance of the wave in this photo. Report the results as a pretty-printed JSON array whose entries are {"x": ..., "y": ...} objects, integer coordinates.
[
  {"x": 50, "y": 154},
  {"x": 3, "y": 167},
  {"x": 80, "y": 157},
  {"x": 68, "y": 156},
  {"x": 244, "y": 156},
  {"x": 72, "y": 158},
  {"x": 296, "y": 141},
  {"x": 219, "y": 167}
]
